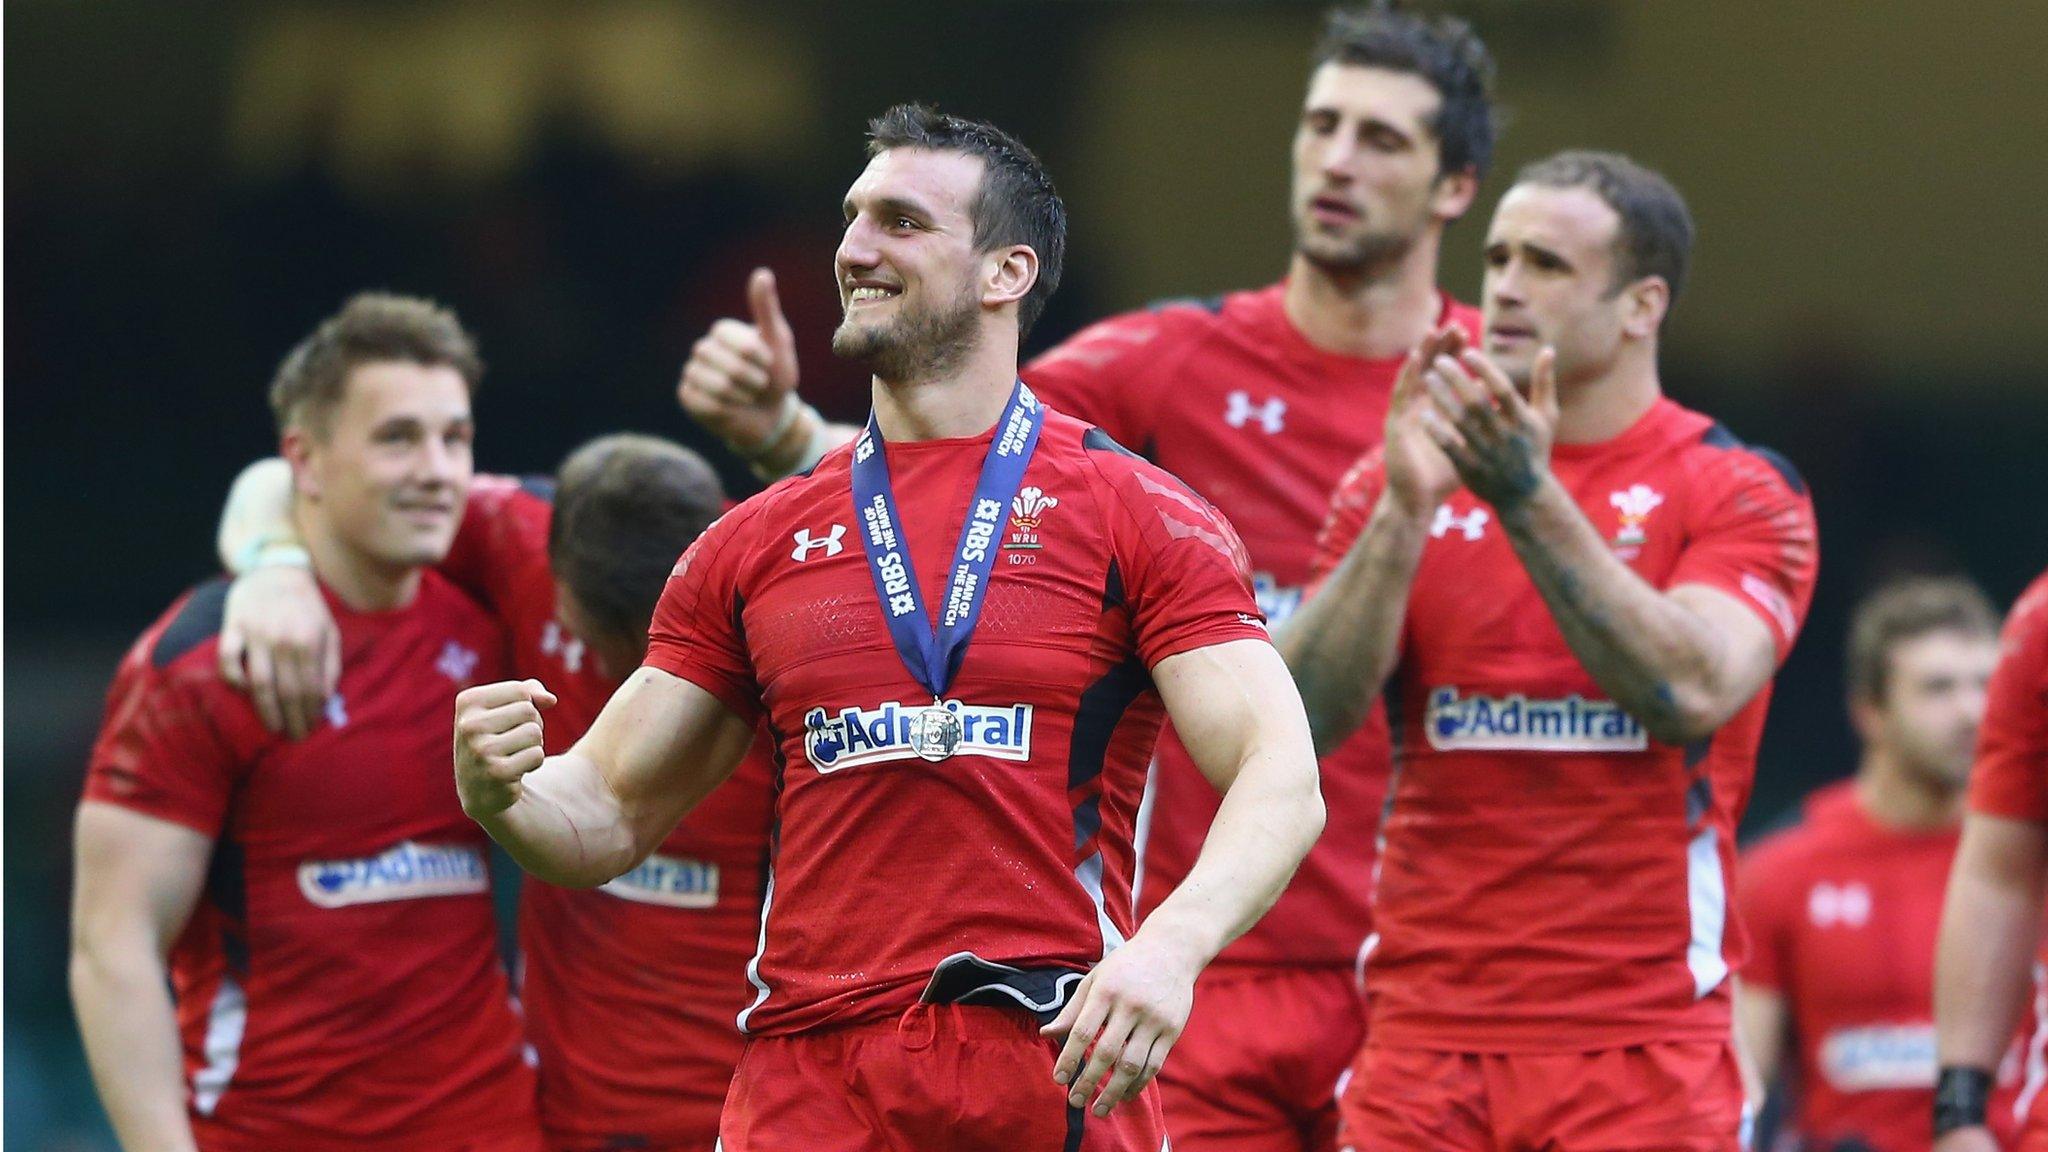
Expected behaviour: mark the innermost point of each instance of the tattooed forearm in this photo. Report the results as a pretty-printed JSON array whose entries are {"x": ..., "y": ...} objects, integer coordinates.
[{"x": 1636, "y": 643}]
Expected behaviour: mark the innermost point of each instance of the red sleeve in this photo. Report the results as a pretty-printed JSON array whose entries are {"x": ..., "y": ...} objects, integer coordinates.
[
  {"x": 1350, "y": 507},
  {"x": 1766, "y": 897},
  {"x": 1752, "y": 536},
  {"x": 164, "y": 749},
  {"x": 1108, "y": 375},
  {"x": 504, "y": 528},
  {"x": 2011, "y": 775},
  {"x": 696, "y": 628},
  {"x": 1187, "y": 577}
]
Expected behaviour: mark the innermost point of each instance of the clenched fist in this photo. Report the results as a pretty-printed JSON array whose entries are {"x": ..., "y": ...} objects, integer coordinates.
[{"x": 497, "y": 741}]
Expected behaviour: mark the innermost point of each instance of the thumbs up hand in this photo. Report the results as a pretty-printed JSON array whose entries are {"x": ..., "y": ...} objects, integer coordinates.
[{"x": 740, "y": 381}]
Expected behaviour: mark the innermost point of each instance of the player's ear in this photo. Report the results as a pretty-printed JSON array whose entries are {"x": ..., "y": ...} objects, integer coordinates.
[
  {"x": 1866, "y": 716},
  {"x": 1453, "y": 194},
  {"x": 296, "y": 446},
  {"x": 1648, "y": 300},
  {"x": 1010, "y": 273}
]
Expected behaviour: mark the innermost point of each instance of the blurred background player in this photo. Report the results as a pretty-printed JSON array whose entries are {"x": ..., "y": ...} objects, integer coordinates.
[
  {"x": 323, "y": 905},
  {"x": 1580, "y": 590},
  {"x": 1842, "y": 910},
  {"x": 1991, "y": 923},
  {"x": 1259, "y": 400},
  {"x": 631, "y": 991},
  {"x": 953, "y": 848}
]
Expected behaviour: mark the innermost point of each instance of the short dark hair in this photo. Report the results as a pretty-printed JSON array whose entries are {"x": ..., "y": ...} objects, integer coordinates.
[
  {"x": 1442, "y": 50},
  {"x": 1908, "y": 609},
  {"x": 1656, "y": 232},
  {"x": 1017, "y": 203},
  {"x": 372, "y": 327},
  {"x": 625, "y": 507}
]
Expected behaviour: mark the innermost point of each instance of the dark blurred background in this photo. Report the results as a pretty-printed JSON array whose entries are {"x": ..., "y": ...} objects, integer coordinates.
[{"x": 190, "y": 188}]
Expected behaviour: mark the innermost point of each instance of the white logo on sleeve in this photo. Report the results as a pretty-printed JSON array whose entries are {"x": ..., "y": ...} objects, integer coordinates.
[
  {"x": 1271, "y": 414},
  {"x": 1472, "y": 525},
  {"x": 1838, "y": 905},
  {"x": 456, "y": 662},
  {"x": 830, "y": 542},
  {"x": 406, "y": 871}
]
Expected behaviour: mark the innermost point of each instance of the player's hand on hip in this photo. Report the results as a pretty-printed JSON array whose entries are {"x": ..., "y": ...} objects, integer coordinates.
[
  {"x": 1975, "y": 1138},
  {"x": 1419, "y": 475},
  {"x": 740, "y": 380},
  {"x": 278, "y": 643},
  {"x": 1498, "y": 440},
  {"x": 498, "y": 740},
  {"x": 1121, "y": 1022}
]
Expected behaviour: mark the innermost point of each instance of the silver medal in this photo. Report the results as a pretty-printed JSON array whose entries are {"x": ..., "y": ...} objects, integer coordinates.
[{"x": 937, "y": 733}]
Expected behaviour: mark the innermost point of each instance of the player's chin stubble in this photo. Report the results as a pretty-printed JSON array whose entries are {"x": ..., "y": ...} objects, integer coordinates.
[{"x": 917, "y": 345}]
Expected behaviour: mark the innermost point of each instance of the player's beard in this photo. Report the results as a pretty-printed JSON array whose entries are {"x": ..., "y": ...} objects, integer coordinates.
[
  {"x": 1354, "y": 256},
  {"x": 918, "y": 344}
]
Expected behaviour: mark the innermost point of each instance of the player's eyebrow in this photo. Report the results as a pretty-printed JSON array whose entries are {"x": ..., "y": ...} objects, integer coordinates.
[{"x": 891, "y": 206}]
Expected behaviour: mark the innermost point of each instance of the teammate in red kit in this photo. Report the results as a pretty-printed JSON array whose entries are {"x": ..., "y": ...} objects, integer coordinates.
[
  {"x": 1260, "y": 400},
  {"x": 1991, "y": 923},
  {"x": 1842, "y": 910},
  {"x": 311, "y": 922},
  {"x": 952, "y": 857},
  {"x": 1580, "y": 590},
  {"x": 630, "y": 991}
]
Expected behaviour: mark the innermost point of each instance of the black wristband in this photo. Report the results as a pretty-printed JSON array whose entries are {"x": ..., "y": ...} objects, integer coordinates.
[{"x": 1961, "y": 1097}]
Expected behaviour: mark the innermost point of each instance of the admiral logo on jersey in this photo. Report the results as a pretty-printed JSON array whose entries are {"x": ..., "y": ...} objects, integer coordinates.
[
  {"x": 407, "y": 871},
  {"x": 670, "y": 881},
  {"x": 1880, "y": 1057},
  {"x": 1519, "y": 724},
  {"x": 860, "y": 736}
]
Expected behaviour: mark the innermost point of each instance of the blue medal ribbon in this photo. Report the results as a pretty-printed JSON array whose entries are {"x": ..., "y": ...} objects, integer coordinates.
[{"x": 933, "y": 654}]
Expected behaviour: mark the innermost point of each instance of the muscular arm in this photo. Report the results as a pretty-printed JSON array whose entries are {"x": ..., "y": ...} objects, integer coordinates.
[
  {"x": 1682, "y": 660},
  {"x": 1990, "y": 923},
  {"x": 584, "y": 817},
  {"x": 1343, "y": 642},
  {"x": 1237, "y": 714},
  {"x": 138, "y": 879}
]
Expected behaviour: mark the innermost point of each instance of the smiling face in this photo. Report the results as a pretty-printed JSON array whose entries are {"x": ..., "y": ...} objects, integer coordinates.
[
  {"x": 909, "y": 275},
  {"x": 390, "y": 469},
  {"x": 1367, "y": 174},
  {"x": 1551, "y": 271}
]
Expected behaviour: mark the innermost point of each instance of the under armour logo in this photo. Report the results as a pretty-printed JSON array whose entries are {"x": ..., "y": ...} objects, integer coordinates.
[
  {"x": 1269, "y": 415},
  {"x": 337, "y": 712},
  {"x": 1472, "y": 524},
  {"x": 830, "y": 543},
  {"x": 556, "y": 640},
  {"x": 456, "y": 662},
  {"x": 1845, "y": 904}
]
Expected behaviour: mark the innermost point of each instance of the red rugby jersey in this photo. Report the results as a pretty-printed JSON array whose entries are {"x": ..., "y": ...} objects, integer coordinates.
[
  {"x": 2010, "y": 779},
  {"x": 339, "y": 984},
  {"x": 1551, "y": 878},
  {"x": 1230, "y": 397},
  {"x": 1018, "y": 849},
  {"x": 631, "y": 990},
  {"x": 1842, "y": 914}
]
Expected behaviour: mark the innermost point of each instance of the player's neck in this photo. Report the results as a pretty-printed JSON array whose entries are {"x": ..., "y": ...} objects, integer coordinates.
[
  {"x": 1596, "y": 410},
  {"x": 1374, "y": 314},
  {"x": 966, "y": 401},
  {"x": 362, "y": 582},
  {"x": 1897, "y": 797}
]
